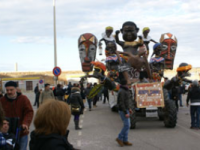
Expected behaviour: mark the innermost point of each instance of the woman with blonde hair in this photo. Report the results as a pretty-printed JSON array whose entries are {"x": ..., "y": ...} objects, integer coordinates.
[{"x": 51, "y": 122}]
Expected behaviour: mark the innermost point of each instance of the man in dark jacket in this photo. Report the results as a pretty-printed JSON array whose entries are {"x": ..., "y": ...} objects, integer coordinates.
[
  {"x": 87, "y": 92},
  {"x": 36, "y": 90},
  {"x": 105, "y": 94},
  {"x": 194, "y": 98},
  {"x": 60, "y": 92},
  {"x": 123, "y": 101},
  {"x": 77, "y": 106}
]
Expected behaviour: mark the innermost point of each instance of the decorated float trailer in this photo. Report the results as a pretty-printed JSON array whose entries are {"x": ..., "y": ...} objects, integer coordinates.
[{"x": 146, "y": 98}]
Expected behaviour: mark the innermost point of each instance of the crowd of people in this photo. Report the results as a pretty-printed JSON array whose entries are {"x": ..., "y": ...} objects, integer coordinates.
[{"x": 16, "y": 114}]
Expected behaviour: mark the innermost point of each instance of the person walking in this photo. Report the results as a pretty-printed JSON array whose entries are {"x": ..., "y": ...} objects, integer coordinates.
[
  {"x": 46, "y": 94},
  {"x": 194, "y": 98},
  {"x": 38, "y": 98},
  {"x": 60, "y": 92},
  {"x": 18, "y": 106},
  {"x": 36, "y": 90},
  {"x": 82, "y": 92},
  {"x": 51, "y": 123},
  {"x": 77, "y": 106},
  {"x": 96, "y": 98},
  {"x": 123, "y": 101},
  {"x": 106, "y": 95},
  {"x": 87, "y": 92}
]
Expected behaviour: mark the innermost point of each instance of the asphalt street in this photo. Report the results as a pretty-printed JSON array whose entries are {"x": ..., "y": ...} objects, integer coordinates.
[{"x": 101, "y": 127}]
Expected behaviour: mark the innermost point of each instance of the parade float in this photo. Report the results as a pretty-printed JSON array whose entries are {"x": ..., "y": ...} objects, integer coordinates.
[{"x": 148, "y": 94}]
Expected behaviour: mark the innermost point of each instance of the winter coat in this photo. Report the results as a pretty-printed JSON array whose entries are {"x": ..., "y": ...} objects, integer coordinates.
[
  {"x": 69, "y": 88},
  {"x": 36, "y": 90},
  {"x": 38, "y": 96},
  {"x": 18, "y": 108},
  {"x": 12, "y": 140},
  {"x": 76, "y": 100},
  {"x": 60, "y": 93},
  {"x": 194, "y": 95},
  {"x": 49, "y": 142},
  {"x": 123, "y": 99},
  {"x": 87, "y": 91},
  {"x": 105, "y": 91},
  {"x": 82, "y": 92},
  {"x": 46, "y": 95}
]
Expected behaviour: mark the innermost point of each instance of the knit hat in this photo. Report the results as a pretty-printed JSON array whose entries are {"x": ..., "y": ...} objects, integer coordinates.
[
  {"x": 11, "y": 83},
  {"x": 109, "y": 28},
  {"x": 145, "y": 29}
]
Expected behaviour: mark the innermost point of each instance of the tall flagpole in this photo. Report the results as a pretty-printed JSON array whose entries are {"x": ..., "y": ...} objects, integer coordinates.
[{"x": 55, "y": 42}]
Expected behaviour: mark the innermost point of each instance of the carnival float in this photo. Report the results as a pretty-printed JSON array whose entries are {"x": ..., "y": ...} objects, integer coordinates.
[{"x": 148, "y": 94}]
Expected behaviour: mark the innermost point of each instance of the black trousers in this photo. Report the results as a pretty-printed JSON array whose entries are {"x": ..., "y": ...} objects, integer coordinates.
[{"x": 105, "y": 97}]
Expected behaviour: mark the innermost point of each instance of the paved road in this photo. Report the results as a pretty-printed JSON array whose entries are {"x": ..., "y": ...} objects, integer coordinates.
[{"x": 101, "y": 127}]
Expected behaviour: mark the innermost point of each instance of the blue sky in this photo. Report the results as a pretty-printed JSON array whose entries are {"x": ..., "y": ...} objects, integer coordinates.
[{"x": 26, "y": 28}]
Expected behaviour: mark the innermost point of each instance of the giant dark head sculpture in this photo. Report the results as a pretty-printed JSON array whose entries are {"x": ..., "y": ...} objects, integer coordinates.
[
  {"x": 169, "y": 45},
  {"x": 129, "y": 31},
  {"x": 87, "y": 44}
]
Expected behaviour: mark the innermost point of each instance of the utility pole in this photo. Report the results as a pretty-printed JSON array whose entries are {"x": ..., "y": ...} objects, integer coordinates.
[{"x": 55, "y": 41}]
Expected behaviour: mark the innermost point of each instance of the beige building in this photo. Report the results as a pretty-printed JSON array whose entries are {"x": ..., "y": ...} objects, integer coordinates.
[{"x": 28, "y": 80}]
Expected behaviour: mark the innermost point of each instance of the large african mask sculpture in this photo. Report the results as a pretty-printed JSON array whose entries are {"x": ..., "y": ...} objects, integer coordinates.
[
  {"x": 129, "y": 34},
  {"x": 169, "y": 45},
  {"x": 87, "y": 44}
]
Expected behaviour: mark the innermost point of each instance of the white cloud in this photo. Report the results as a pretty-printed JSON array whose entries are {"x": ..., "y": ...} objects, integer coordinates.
[
  {"x": 31, "y": 21},
  {"x": 35, "y": 39}
]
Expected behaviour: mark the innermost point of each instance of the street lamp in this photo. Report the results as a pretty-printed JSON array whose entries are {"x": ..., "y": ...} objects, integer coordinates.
[{"x": 55, "y": 43}]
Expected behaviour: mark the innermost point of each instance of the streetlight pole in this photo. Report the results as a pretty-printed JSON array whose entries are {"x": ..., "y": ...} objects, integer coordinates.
[{"x": 55, "y": 42}]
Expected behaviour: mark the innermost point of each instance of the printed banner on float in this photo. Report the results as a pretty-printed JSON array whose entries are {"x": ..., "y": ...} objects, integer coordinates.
[{"x": 149, "y": 95}]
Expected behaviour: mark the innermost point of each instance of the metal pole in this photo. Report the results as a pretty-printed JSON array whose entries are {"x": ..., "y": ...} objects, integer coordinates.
[{"x": 55, "y": 43}]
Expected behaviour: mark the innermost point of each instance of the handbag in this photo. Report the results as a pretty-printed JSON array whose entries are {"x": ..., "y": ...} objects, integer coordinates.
[{"x": 76, "y": 109}]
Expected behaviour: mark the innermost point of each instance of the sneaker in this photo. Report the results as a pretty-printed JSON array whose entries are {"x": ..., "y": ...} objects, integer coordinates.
[
  {"x": 120, "y": 142},
  {"x": 128, "y": 144},
  {"x": 90, "y": 109}
]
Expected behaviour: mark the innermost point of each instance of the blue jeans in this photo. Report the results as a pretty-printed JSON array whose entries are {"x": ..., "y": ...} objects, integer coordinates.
[
  {"x": 180, "y": 98},
  {"x": 123, "y": 135},
  {"x": 195, "y": 114},
  {"x": 89, "y": 103},
  {"x": 23, "y": 142}
]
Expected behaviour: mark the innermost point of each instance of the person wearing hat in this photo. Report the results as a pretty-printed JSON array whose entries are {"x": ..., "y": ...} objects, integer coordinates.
[
  {"x": 47, "y": 94},
  {"x": 17, "y": 105},
  {"x": 146, "y": 38},
  {"x": 174, "y": 84},
  {"x": 107, "y": 37},
  {"x": 157, "y": 63}
]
